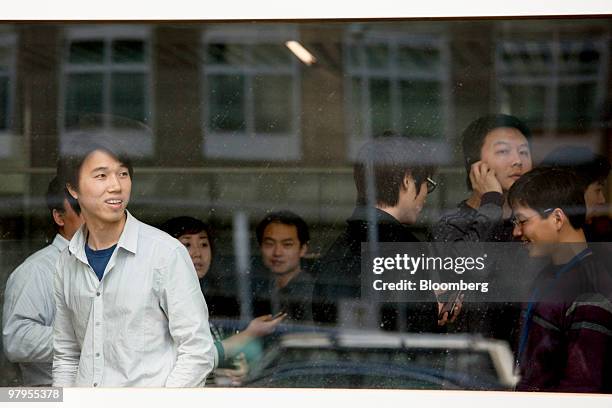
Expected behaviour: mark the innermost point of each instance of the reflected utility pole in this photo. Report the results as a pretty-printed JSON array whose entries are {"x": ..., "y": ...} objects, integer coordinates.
[{"x": 242, "y": 256}]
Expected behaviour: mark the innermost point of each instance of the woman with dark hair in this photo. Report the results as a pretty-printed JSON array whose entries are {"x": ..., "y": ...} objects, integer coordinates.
[{"x": 197, "y": 237}]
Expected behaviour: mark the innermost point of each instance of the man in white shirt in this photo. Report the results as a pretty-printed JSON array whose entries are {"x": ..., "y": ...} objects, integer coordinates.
[
  {"x": 29, "y": 308},
  {"x": 129, "y": 307}
]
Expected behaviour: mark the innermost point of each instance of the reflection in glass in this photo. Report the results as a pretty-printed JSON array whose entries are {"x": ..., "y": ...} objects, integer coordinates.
[
  {"x": 126, "y": 51},
  {"x": 226, "y": 99},
  {"x": 273, "y": 103},
  {"x": 528, "y": 103},
  {"x": 576, "y": 106},
  {"x": 421, "y": 105},
  {"x": 380, "y": 96},
  {"x": 86, "y": 52},
  {"x": 128, "y": 96},
  {"x": 84, "y": 93}
]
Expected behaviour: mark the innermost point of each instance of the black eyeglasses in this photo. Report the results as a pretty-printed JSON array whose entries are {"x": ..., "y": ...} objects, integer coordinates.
[{"x": 431, "y": 185}]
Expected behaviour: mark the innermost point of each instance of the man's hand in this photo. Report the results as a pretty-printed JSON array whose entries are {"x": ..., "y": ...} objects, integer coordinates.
[
  {"x": 233, "y": 376},
  {"x": 264, "y": 325},
  {"x": 445, "y": 317},
  {"x": 483, "y": 179}
]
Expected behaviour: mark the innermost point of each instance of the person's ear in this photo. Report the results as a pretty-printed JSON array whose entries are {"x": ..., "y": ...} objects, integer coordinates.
[
  {"x": 58, "y": 217},
  {"x": 559, "y": 218},
  {"x": 303, "y": 250},
  {"x": 72, "y": 191}
]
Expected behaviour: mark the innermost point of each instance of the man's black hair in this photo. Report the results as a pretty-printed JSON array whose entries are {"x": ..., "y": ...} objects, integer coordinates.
[
  {"x": 589, "y": 166},
  {"x": 546, "y": 188},
  {"x": 69, "y": 165},
  {"x": 390, "y": 158},
  {"x": 286, "y": 218},
  {"x": 473, "y": 137},
  {"x": 178, "y": 226},
  {"x": 56, "y": 193}
]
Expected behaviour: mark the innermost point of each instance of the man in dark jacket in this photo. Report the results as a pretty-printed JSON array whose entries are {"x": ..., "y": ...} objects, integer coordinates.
[
  {"x": 496, "y": 153},
  {"x": 392, "y": 176}
]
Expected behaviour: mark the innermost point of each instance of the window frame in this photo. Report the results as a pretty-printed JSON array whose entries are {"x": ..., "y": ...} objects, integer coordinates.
[
  {"x": 143, "y": 143},
  {"x": 552, "y": 80},
  {"x": 250, "y": 145},
  {"x": 394, "y": 73},
  {"x": 7, "y": 134}
]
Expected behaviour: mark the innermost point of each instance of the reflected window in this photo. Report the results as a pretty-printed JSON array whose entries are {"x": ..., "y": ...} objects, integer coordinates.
[
  {"x": 555, "y": 86},
  {"x": 107, "y": 85},
  {"x": 7, "y": 97},
  {"x": 251, "y": 93},
  {"x": 396, "y": 81}
]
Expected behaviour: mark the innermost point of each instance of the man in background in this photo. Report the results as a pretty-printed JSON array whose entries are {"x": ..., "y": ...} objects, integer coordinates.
[
  {"x": 283, "y": 238},
  {"x": 29, "y": 307}
]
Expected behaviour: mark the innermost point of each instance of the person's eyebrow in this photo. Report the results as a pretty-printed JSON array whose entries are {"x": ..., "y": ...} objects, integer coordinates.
[
  {"x": 101, "y": 168},
  {"x": 501, "y": 142}
]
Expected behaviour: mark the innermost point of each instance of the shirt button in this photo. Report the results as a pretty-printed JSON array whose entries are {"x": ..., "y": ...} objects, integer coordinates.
[
  {"x": 97, "y": 293},
  {"x": 97, "y": 354},
  {"x": 97, "y": 323}
]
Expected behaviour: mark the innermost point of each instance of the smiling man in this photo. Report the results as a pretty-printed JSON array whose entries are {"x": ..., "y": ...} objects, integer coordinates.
[
  {"x": 283, "y": 240},
  {"x": 129, "y": 308},
  {"x": 566, "y": 337}
]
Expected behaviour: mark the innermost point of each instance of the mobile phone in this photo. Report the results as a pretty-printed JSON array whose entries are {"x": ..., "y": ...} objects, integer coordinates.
[
  {"x": 279, "y": 314},
  {"x": 451, "y": 305}
]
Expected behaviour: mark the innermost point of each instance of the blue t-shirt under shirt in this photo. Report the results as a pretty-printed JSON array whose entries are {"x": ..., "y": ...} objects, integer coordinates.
[{"x": 99, "y": 259}]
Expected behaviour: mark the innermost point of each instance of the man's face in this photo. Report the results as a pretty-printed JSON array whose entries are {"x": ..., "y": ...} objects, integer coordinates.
[
  {"x": 594, "y": 198},
  {"x": 280, "y": 248},
  {"x": 536, "y": 232},
  {"x": 199, "y": 251},
  {"x": 506, "y": 151},
  {"x": 411, "y": 201},
  {"x": 71, "y": 221},
  {"x": 104, "y": 188}
]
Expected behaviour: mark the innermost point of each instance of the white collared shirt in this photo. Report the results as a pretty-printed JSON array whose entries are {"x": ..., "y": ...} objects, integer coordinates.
[
  {"x": 144, "y": 324},
  {"x": 29, "y": 310}
]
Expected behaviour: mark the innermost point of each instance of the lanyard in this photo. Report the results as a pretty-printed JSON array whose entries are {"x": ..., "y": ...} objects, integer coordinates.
[{"x": 532, "y": 301}]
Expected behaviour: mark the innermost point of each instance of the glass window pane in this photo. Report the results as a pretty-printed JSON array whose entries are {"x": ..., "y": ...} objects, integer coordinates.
[
  {"x": 83, "y": 96},
  {"x": 576, "y": 106},
  {"x": 128, "y": 97},
  {"x": 230, "y": 54},
  {"x": 6, "y": 54},
  {"x": 126, "y": 51},
  {"x": 271, "y": 55},
  {"x": 527, "y": 102},
  {"x": 578, "y": 58},
  {"x": 377, "y": 56},
  {"x": 226, "y": 102},
  {"x": 356, "y": 105},
  {"x": 273, "y": 103},
  {"x": 421, "y": 108},
  {"x": 354, "y": 56},
  {"x": 421, "y": 60},
  {"x": 4, "y": 101},
  {"x": 86, "y": 52},
  {"x": 380, "y": 105},
  {"x": 528, "y": 58}
]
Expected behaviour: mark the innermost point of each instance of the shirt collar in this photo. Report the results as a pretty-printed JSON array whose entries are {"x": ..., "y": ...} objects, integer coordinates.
[
  {"x": 60, "y": 242},
  {"x": 128, "y": 239}
]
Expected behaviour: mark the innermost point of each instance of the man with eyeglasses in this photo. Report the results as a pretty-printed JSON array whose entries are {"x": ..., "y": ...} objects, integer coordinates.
[
  {"x": 392, "y": 176},
  {"x": 566, "y": 334}
]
